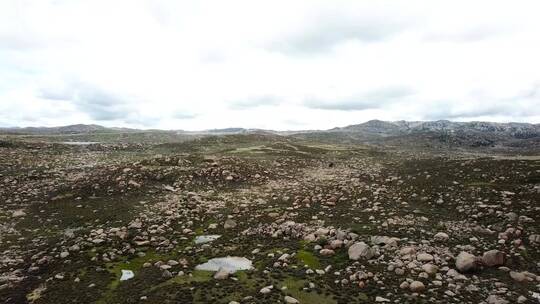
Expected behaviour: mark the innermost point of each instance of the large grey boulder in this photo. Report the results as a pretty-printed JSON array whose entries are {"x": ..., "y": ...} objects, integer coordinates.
[
  {"x": 291, "y": 300},
  {"x": 466, "y": 262},
  {"x": 229, "y": 224},
  {"x": 360, "y": 250},
  {"x": 417, "y": 286}
]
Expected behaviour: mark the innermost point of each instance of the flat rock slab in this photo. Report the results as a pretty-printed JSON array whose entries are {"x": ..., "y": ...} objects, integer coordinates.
[
  {"x": 126, "y": 275},
  {"x": 201, "y": 239},
  {"x": 231, "y": 264}
]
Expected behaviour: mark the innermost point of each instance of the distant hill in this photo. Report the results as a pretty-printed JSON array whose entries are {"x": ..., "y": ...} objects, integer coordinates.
[
  {"x": 390, "y": 128},
  {"x": 227, "y": 130},
  {"x": 440, "y": 133},
  {"x": 89, "y": 129},
  {"x": 70, "y": 129}
]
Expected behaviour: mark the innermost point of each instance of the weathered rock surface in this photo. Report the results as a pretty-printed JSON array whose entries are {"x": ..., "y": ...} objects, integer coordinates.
[
  {"x": 360, "y": 250},
  {"x": 466, "y": 262}
]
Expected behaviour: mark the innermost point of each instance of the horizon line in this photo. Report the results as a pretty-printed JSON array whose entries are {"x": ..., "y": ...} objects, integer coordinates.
[{"x": 265, "y": 129}]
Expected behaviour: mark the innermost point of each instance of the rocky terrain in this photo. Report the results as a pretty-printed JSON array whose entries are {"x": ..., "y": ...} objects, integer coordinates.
[
  {"x": 420, "y": 214},
  {"x": 442, "y": 134}
]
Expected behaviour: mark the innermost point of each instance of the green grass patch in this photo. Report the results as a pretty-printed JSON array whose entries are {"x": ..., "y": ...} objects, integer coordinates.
[
  {"x": 295, "y": 290},
  {"x": 134, "y": 265},
  {"x": 196, "y": 276},
  {"x": 307, "y": 258}
]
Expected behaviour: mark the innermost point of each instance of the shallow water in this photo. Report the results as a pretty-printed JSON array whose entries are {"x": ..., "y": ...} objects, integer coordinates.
[
  {"x": 231, "y": 264},
  {"x": 201, "y": 239}
]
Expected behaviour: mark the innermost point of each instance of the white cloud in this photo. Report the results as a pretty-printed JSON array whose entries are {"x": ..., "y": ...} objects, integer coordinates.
[{"x": 277, "y": 64}]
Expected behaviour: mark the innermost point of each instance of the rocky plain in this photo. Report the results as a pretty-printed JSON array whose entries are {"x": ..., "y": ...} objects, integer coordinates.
[{"x": 377, "y": 213}]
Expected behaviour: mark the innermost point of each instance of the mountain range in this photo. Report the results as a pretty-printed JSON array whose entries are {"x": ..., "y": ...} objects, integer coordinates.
[{"x": 440, "y": 132}]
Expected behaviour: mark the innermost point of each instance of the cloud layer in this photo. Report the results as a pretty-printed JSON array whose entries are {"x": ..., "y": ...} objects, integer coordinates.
[
  {"x": 279, "y": 64},
  {"x": 374, "y": 99}
]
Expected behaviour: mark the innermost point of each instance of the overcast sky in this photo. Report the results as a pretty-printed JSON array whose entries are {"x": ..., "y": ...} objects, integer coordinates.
[{"x": 273, "y": 64}]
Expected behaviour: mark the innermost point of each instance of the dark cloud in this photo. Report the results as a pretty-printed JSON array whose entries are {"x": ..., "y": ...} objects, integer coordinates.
[
  {"x": 97, "y": 103},
  {"x": 369, "y": 100},
  {"x": 326, "y": 31},
  {"x": 103, "y": 105},
  {"x": 255, "y": 101}
]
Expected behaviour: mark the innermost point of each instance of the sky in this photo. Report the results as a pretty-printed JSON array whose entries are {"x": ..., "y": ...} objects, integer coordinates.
[{"x": 282, "y": 65}]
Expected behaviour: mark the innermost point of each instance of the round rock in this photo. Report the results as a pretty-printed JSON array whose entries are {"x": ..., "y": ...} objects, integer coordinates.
[
  {"x": 466, "y": 262},
  {"x": 417, "y": 286}
]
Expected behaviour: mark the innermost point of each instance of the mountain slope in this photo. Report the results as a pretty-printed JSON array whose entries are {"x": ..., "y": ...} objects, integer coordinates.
[{"x": 441, "y": 133}]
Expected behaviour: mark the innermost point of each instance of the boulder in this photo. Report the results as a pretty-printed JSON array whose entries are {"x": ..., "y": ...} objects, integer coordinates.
[
  {"x": 384, "y": 240},
  {"x": 229, "y": 224},
  {"x": 466, "y": 262},
  {"x": 334, "y": 244},
  {"x": 407, "y": 250},
  {"x": 430, "y": 269},
  {"x": 424, "y": 257},
  {"x": 266, "y": 289},
  {"x": 518, "y": 276},
  {"x": 360, "y": 250},
  {"x": 441, "y": 237},
  {"x": 291, "y": 300},
  {"x": 18, "y": 213},
  {"x": 493, "y": 258},
  {"x": 495, "y": 299},
  {"x": 417, "y": 286},
  {"x": 326, "y": 252}
]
